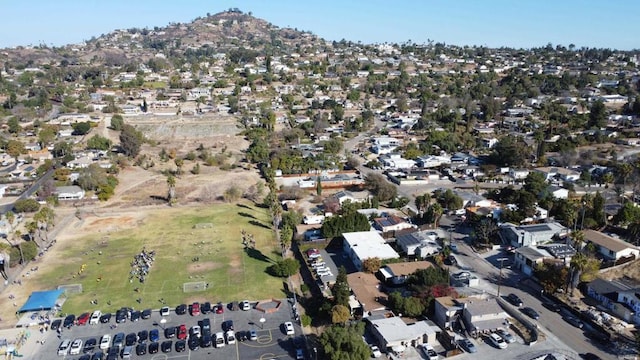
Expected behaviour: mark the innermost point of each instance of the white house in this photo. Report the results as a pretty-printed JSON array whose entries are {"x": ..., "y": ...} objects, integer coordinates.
[
  {"x": 518, "y": 174},
  {"x": 419, "y": 243},
  {"x": 394, "y": 334},
  {"x": 70, "y": 193},
  {"x": 610, "y": 247},
  {"x": 562, "y": 173},
  {"x": 363, "y": 245},
  {"x": 531, "y": 235},
  {"x": 396, "y": 161}
]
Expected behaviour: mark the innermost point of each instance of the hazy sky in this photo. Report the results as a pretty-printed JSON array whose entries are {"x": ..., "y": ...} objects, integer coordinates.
[{"x": 494, "y": 23}]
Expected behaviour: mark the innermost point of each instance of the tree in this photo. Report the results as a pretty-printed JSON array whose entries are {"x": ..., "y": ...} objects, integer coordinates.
[
  {"x": 340, "y": 314},
  {"x": 81, "y": 128},
  {"x": 14, "y": 125},
  {"x": 46, "y": 135},
  {"x": 171, "y": 195},
  {"x": 15, "y": 148},
  {"x": 510, "y": 151},
  {"x": 26, "y": 205},
  {"x": 485, "y": 231},
  {"x": 597, "y": 115},
  {"x": 344, "y": 343},
  {"x": 232, "y": 193},
  {"x": 380, "y": 187},
  {"x": 117, "y": 122},
  {"x": 285, "y": 267},
  {"x": 98, "y": 142},
  {"x": 371, "y": 265},
  {"x": 131, "y": 141},
  {"x": 341, "y": 290}
]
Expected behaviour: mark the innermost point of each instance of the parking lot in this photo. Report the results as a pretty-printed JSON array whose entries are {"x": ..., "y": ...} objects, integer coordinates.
[{"x": 271, "y": 341}]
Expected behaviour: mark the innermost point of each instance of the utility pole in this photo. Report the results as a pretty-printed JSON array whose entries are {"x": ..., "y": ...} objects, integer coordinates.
[{"x": 500, "y": 278}]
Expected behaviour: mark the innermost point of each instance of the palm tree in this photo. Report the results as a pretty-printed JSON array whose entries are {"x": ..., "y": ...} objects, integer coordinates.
[
  {"x": 171, "y": 181},
  {"x": 422, "y": 201},
  {"x": 437, "y": 211},
  {"x": 624, "y": 171},
  {"x": 577, "y": 266}
]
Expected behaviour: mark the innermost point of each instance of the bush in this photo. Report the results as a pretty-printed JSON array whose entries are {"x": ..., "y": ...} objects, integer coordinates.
[
  {"x": 306, "y": 320},
  {"x": 284, "y": 268},
  {"x": 26, "y": 205}
]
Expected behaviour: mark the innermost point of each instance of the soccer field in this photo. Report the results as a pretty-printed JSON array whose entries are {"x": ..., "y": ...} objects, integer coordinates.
[{"x": 200, "y": 245}]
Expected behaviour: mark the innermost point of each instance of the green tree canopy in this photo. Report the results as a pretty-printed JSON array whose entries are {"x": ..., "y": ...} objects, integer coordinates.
[
  {"x": 344, "y": 343},
  {"x": 131, "y": 140}
]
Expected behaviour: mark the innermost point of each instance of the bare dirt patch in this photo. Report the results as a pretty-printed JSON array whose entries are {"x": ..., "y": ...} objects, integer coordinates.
[
  {"x": 202, "y": 267},
  {"x": 630, "y": 270}
]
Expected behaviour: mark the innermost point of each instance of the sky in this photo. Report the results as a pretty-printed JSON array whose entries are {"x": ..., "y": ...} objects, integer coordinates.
[{"x": 493, "y": 23}]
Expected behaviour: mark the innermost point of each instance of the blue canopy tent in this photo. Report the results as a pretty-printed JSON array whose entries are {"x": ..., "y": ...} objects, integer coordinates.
[{"x": 41, "y": 300}]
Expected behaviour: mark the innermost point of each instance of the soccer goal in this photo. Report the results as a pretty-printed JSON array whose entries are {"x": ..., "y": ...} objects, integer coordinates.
[
  {"x": 194, "y": 286},
  {"x": 71, "y": 288}
]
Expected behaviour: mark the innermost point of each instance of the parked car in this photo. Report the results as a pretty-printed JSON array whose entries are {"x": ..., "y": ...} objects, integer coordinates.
[
  {"x": 206, "y": 307},
  {"x": 429, "y": 351},
  {"x": 506, "y": 336},
  {"x": 130, "y": 339},
  {"x": 514, "y": 300},
  {"x": 573, "y": 321},
  {"x": 288, "y": 328},
  {"x": 497, "y": 341},
  {"x": 193, "y": 343},
  {"x": 299, "y": 354},
  {"x": 135, "y": 315},
  {"x": 154, "y": 335},
  {"x": 105, "y": 318},
  {"x": 231, "y": 337},
  {"x": 121, "y": 316},
  {"x": 113, "y": 353},
  {"x": 143, "y": 335},
  {"x": 83, "y": 319},
  {"x": 55, "y": 325},
  {"x": 227, "y": 325},
  {"x": 105, "y": 341},
  {"x": 451, "y": 260},
  {"x": 552, "y": 306},
  {"x": 85, "y": 357},
  {"x": 245, "y": 305},
  {"x": 141, "y": 349},
  {"x": 164, "y": 311},
  {"x": 182, "y": 332},
  {"x": 453, "y": 248},
  {"x": 76, "y": 346},
  {"x": 63, "y": 348},
  {"x": 375, "y": 351},
  {"x": 146, "y": 313},
  {"x": 468, "y": 346},
  {"x": 181, "y": 345},
  {"x": 118, "y": 340},
  {"x": 153, "y": 348},
  {"x": 195, "y": 309},
  {"x": 219, "y": 339},
  {"x": 181, "y": 309},
  {"x": 253, "y": 335},
  {"x": 166, "y": 346},
  {"x": 89, "y": 345},
  {"x": 170, "y": 332},
  {"x": 219, "y": 308},
  {"x": 206, "y": 341},
  {"x": 98, "y": 355},
  {"x": 69, "y": 321},
  {"x": 95, "y": 317},
  {"x": 463, "y": 275},
  {"x": 205, "y": 325},
  {"x": 531, "y": 313}
]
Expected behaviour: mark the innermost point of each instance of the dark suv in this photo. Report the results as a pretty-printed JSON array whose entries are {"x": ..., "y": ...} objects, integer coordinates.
[{"x": 515, "y": 300}]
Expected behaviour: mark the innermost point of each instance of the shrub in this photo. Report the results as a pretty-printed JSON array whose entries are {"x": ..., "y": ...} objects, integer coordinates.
[{"x": 284, "y": 268}]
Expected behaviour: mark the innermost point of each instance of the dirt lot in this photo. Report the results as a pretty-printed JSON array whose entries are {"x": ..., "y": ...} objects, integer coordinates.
[{"x": 141, "y": 190}]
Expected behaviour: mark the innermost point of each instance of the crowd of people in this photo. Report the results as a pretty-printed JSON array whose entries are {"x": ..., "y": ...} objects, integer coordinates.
[{"x": 141, "y": 265}]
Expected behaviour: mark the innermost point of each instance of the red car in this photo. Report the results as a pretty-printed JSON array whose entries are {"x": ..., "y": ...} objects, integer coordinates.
[
  {"x": 182, "y": 332},
  {"x": 219, "y": 309},
  {"x": 195, "y": 309},
  {"x": 83, "y": 319}
]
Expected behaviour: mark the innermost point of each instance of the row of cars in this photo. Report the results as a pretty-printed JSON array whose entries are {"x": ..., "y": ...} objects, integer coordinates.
[
  {"x": 317, "y": 264},
  {"x": 566, "y": 314}
]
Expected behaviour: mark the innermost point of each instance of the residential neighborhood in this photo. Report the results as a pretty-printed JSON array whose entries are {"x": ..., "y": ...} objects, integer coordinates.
[{"x": 417, "y": 187}]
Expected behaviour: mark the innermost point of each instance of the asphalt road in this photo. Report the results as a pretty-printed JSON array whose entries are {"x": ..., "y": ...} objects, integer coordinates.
[
  {"x": 29, "y": 192},
  {"x": 487, "y": 268}
]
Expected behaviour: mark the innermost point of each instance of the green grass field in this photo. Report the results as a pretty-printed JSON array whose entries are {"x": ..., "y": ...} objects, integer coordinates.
[{"x": 177, "y": 236}]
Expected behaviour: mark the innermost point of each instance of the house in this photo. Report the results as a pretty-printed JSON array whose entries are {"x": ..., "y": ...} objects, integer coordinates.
[
  {"x": 70, "y": 193},
  {"x": 619, "y": 297},
  {"x": 394, "y": 334},
  {"x": 531, "y": 235},
  {"x": 558, "y": 192},
  {"x": 555, "y": 172},
  {"x": 411, "y": 243},
  {"x": 472, "y": 199},
  {"x": 446, "y": 311},
  {"x": 391, "y": 223},
  {"x": 396, "y": 161},
  {"x": 482, "y": 315},
  {"x": 363, "y": 245},
  {"x": 489, "y": 143},
  {"x": 344, "y": 195},
  {"x": 518, "y": 174},
  {"x": 529, "y": 257},
  {"x": 398, "y": 273},
  {"x": 367, "y": 292},
  {"x": 432, "y": 161},
  {"x": 609, "y": 247}
]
